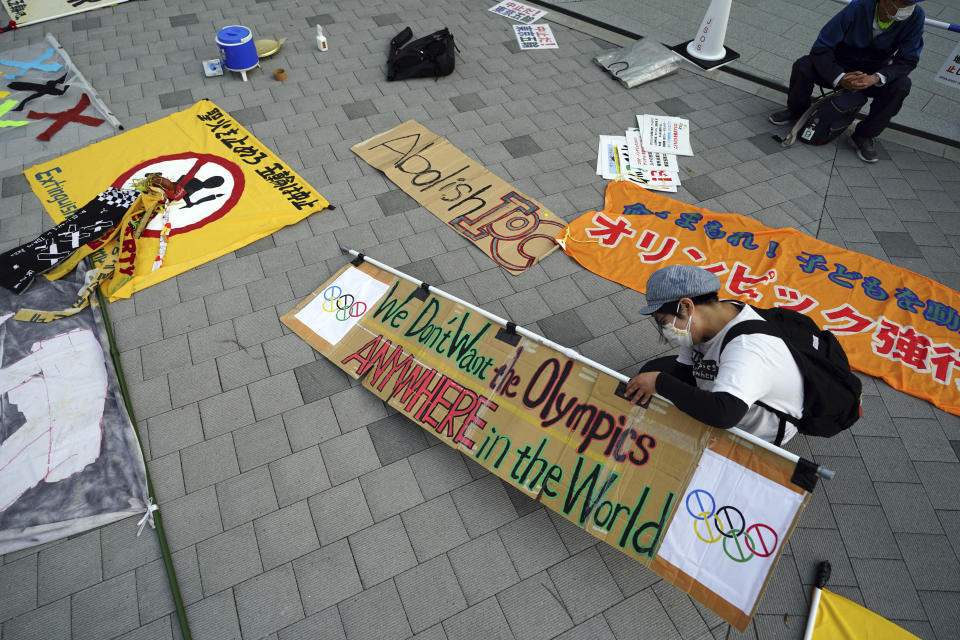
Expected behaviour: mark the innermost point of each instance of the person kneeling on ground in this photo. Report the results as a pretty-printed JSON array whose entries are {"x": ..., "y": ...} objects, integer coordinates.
[
  {"x": 870, "y": 46},
  {"x": 717, "y": 389}
]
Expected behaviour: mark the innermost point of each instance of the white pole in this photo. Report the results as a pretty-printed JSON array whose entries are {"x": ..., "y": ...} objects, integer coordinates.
[
  {"x": 819, "y": 582},
  {"x": 823, "y": 472}
]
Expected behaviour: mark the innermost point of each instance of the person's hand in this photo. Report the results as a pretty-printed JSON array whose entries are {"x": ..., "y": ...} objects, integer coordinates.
[
  {"x": 642, "y": 387},
  {"x": 867, "y": 81},
  {"x": 852, "y": 80}
]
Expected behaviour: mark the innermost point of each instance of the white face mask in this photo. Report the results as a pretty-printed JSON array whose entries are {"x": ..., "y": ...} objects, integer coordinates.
[
  {"x": 678, "y": 337},
  {"x": 904, "y": 13}
]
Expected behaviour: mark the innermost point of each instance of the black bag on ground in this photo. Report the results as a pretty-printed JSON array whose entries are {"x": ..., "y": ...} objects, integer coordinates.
[
  {"x": 431, "y": 56},
  {"x": 826, "y": 118},
  {"x": 831, "y": 391}
]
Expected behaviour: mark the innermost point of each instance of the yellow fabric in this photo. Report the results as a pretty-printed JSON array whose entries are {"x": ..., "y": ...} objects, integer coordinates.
[
  {"x": 842, "y": 619},
  {"x": 256, "y": 195},
  {"x": 892, "y": 323}
]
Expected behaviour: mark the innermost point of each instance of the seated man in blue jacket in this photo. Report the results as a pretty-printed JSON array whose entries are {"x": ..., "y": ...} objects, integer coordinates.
[{"x": 870, "y": 46}]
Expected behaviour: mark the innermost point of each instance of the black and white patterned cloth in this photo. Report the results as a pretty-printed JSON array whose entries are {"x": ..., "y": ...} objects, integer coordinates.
[{"x": 18, "y": 267}]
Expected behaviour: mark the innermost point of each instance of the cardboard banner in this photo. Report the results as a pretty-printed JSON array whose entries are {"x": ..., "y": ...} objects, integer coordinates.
[
  {"x": 512, "y": 228},
  {"x": 706, "y": 510},
  {"x": 893, "y": 324},
  {"x": 69, "y": 456},
  {"x": 25, "y": 12},
  {"x": 238, "y": 191}
]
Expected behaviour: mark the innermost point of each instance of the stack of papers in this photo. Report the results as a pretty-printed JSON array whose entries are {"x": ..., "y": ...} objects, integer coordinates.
[{"x": 646, "y": 155}]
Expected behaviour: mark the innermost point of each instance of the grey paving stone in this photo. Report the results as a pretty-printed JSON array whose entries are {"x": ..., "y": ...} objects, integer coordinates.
[
  {"x": 20, "y": 579},
  {"x": 14, "y": 185},
  {"x": 228, "y": 559},
  {"x": 924, "y": 440},
  {"x": 359, "y": 109},
  {"x": 533, "y": 543},
  {"x": 215, "y": 617},
  {"x": 285, "y": 534},
  {"x": 67, "y": 568},
  {"x": 429, "y": 593},
  {"x": 942, "y": 483},
  {"x": 390, "y": 490},
  {"x": 533, "y": 607},
  {"x": 853, "y": 484},
  {"x": 320, "y": 379},
  {"x": 395, "y": 201},
  {"x": 225, "y": 412},
  {"x": 942, "y": 610},
  {"x": 246, "y": 497},
  {"x": 183, "y": 318},
  {"x": 274, "y": 395},
  {"x": 261, "y": 442},
  {"x": 483, "y": 505},
  {"x": 434, "y": 527},
  {"x": 299, "y": 476},
  {"x": 228, "y": 304},
  {"x": 703, "y": 187},
  {"x": 310, "y": 424},
  {"x": 887, "y": 589},
  {"x": 51, "y": 622},
  {"x": 585, "y": 585},
  {"x": 349, "y": 456},
  {"x": 356, "y": 407},
  {"x": 209, "y": 462},
  {"x": 438, "y": 470},
  {"x": 566, "y": 328},
  {"x": 106, "y": 609},
  {"x": 153, "y": 585},
  {"x": 339, "y": 512},
  {"x": 249, "y": 116},
  {"x": 630, "y": 575},
  {"x": 268, "y": 602},
  {"x": 886, "y": 459},
  {"x": 521, "y": 146},
  {"x": 193, "y": 383},
  {"x": 396, "y": 437},
  {"x": 897, "y": 244},
  {"x": 642, "y": 610},
  {"x": 875, "y": 541},
  {"x": 562, "y": 294},
  {"x": 192, "y": 518},
  {"x": 683, "y": 613},
  {"x": 382, "y": 551},
  {"x": 176, "y": 99},
  {"x": 325, "y": 624},
  {"x": 482, "y": 620},
  {"x": 810, "y": 547},
  {"x": 326, "y": 576},
  {"x": 375, "y": 614},
  {"x": 931, "y": 561}
]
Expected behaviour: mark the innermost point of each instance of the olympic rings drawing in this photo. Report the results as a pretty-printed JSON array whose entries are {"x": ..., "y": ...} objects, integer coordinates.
[
  {"x": 342, "y": 304},
  {"x": 740, "y": 542}
]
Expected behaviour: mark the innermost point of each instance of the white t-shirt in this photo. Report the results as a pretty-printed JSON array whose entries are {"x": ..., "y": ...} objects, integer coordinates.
[{"x": 753, "y": 367}]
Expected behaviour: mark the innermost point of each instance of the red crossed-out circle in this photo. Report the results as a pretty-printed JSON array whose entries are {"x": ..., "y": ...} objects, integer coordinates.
[{"x": 225, "y": 205}]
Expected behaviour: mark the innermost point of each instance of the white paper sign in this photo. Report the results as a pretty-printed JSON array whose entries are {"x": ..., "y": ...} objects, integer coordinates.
[
  {"x": 643, "y": 159},
  {"x": 665, "y": 134},
  {"x": 535, "y": 36},
  {"x": 949, "y": 73},
  {"x": 654, "y": 179},
  {"x": 518, "y": 11},
  {"x": 728, "y": 529},
  {"x": 341, "y": 305},
  {"x": 612, "y": 157}
]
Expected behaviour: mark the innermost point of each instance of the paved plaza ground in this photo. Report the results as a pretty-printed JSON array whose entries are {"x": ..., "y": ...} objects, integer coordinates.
[{"x": 297, "y": 505}]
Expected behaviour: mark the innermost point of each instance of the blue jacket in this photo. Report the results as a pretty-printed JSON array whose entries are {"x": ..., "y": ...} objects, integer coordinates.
[{"x": 846, "y": 43}]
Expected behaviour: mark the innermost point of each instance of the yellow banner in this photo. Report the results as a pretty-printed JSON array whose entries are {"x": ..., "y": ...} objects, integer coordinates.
[
  {"x": 237, "y": 190},
  {"x": 893, "y": 324},
  {"x": 842, "y": 619},
  {"x": 654, "y": 483}
]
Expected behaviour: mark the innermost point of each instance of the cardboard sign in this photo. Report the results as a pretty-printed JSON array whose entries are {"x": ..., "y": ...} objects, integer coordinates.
[
  {"x": 512, "y": 228},
  {"x": 518, "y": 11},
  {"x": 237, "y": 190},
  {"x": 535, "y": 36},
  {"x": 556, "y": 429},
  {"x": 665, "y": 134},
  {"x": 892, "y": 323},
  {"x": 949, "y": 73}
]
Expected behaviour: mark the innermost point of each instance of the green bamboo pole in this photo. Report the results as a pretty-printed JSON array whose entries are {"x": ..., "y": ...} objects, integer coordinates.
[{"x": 157, "y": 519}]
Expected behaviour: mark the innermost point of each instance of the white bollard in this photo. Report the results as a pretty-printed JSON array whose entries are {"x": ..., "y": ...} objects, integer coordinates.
[{"x": 706, "y": 50}]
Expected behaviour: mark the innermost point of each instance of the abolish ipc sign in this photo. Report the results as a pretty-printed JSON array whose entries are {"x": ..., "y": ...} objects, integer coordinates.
[{"x": 699, "y": 506}]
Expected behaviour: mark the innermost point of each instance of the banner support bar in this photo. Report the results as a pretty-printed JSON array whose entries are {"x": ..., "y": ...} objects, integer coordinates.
[{"x": 823, "y": 472}]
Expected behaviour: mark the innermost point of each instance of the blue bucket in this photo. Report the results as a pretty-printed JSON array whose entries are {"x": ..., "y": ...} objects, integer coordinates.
[{"x": 237, "y": 50}]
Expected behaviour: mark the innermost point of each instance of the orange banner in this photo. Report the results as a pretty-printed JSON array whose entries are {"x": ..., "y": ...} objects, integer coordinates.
[{"x": 893, "y": 323}]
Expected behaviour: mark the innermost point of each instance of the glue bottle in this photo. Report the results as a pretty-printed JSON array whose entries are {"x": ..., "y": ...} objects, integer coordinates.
[{"x": 321, "y": 40}]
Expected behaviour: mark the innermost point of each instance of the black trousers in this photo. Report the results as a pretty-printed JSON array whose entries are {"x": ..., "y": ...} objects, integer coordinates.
[{"x": 886, "y": 99}]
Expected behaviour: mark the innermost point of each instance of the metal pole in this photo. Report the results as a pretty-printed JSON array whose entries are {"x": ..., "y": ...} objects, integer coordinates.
[{"x": 823, "y": 472}]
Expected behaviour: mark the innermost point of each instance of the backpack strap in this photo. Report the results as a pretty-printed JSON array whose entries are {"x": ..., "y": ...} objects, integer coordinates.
[
  {"x": 749, "y": 327},
  {"x": 791, "y": 137}
]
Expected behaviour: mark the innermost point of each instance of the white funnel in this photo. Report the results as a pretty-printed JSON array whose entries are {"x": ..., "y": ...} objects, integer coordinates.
[{"x": 708, "y": 43}]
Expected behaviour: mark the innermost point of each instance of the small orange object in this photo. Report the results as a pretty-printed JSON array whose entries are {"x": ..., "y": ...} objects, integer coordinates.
[{"x": 280, "y": 74}]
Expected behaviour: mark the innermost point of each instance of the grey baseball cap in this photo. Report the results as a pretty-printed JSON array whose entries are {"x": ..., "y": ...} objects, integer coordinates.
[{"x": 675, "y": 282}]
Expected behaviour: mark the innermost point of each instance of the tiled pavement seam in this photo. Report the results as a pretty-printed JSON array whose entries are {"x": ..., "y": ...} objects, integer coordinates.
[{"x": 253, "y": 440}]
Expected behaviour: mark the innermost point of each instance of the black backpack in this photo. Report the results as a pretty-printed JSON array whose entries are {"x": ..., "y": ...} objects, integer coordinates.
[
  {"x": 831, "y": 392},
  {"x": 826, "y": 118},
  {"x": 431, "y": 56}
]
